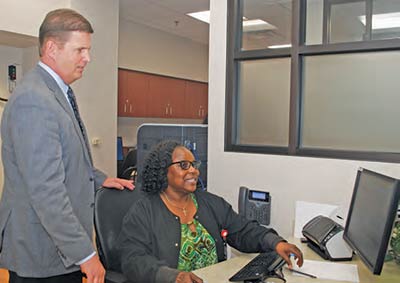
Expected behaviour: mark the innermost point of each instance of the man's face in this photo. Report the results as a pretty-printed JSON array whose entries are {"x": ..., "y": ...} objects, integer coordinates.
[{"x": 72, "y": 57}]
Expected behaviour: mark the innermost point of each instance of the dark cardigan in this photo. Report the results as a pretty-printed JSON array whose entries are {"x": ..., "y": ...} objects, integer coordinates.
[{"x": 149, "y": 242}]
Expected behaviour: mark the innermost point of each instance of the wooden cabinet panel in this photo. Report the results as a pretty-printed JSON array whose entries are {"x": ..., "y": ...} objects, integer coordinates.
[
  {"x": 157, "y": 97},
  {"x": 176, "y": 98},
  {"x": 147, "y": 95},
  {"x": 138, "y": 91},
  {"x": 166, "y": 97},
  {"x": 196, "y": 100},
  {"x": 122, "y": 93},
  {"x": 133, "y": 88}
]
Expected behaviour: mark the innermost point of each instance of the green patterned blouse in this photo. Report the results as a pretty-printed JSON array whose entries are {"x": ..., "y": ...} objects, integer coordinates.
[{"x": 197, "y": 248}]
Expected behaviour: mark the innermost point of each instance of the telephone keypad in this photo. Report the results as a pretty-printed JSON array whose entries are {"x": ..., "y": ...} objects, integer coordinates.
[{"x": 258, "y": 213}]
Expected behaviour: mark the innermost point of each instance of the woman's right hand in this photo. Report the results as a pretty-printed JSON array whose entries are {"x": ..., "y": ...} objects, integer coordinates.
[{"x": 188, "y": 277}]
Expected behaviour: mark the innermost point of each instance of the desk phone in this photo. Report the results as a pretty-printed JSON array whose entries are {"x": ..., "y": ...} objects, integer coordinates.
[{"x": 255, "y": 205}]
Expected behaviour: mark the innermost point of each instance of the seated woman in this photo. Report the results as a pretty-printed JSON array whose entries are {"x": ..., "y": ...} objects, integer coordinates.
[{"x": 175, "y": 228}]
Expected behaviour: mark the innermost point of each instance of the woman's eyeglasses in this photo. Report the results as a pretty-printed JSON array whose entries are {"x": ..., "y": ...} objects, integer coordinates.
[{"x": 185, "y": 164}]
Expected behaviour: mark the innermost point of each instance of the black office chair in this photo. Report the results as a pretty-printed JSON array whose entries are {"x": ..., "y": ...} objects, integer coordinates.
[
  {"x": 128, "y": 165},
  {"x": 111, "y": 206}
]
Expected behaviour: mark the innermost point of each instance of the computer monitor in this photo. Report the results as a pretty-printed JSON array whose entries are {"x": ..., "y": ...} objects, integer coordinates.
[
  {"x": 371, "y": 216},
  {"x": 120, "y": 153}
]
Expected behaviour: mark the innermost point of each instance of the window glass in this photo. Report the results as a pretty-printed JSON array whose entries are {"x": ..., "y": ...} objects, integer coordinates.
[
  {"x": 345, "y": 24},
  {"x": 350, "y": 102},
  {"x": 334, "y": 95},
  {"x": 385, "y": 19},
  {"x": 266, "y": 24},
  {"x": 263, "y": 117},
  {"x": 314, "y": 22}
]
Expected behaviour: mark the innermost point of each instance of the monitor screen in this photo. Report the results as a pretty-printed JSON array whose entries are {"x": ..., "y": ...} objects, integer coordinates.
[
  {"x": 120, "y": 154},
  {"x": 371, "y": 216}
]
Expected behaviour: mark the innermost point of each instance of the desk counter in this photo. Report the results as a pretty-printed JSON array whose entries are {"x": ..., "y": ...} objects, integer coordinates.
[{"x": 222, "y": 271}]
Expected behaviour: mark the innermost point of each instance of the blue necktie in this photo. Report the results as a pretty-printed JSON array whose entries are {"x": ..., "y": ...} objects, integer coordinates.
[{"x": 72, "y": 101}]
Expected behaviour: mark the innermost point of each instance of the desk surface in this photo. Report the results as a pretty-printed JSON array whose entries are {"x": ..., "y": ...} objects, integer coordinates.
[{"x": 222, "y": 271}]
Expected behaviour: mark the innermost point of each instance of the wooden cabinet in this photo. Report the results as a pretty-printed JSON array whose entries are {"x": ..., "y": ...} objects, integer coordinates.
[
  {"x": 196, "y": 100},
  {"x": 133, "y": 88},
  {"x": 122, "y": 93},
  {"x": 166, "y": 97},
  {"x": 148, "y": 95}
]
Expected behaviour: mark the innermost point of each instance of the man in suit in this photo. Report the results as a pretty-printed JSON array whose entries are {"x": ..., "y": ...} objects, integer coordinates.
[{"x": 46, "y": 210}]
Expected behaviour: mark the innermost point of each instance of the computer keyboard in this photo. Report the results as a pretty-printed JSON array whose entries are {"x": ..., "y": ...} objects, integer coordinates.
[{"x": 259, "y": 267}]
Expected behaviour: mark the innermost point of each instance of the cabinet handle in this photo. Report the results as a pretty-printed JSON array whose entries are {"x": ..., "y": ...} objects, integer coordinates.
[
  {"x": 130, "y": 107},
  {"x": 166, "y": 111},
  {"x": 124, "y": 107},
  {"x": 170, "y": 110},
  {"x": 199, "y": 113}
]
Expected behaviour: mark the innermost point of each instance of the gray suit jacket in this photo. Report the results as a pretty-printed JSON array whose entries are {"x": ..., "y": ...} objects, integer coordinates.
[{"x": 46, "y": 210}]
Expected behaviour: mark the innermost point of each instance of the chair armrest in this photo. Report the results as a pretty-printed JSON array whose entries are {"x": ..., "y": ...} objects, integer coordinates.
[{"x": 115, "y": 277}]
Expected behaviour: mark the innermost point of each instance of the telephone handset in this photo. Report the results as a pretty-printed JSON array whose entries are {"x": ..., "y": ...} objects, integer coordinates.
[
  {"x": 318, "y": 228},
  {"x": 325, "y": 237},
  {"x": 255, "y": 205}
]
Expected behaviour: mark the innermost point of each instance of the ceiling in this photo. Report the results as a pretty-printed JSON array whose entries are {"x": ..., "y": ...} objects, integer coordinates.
[
  {"x": 17, "y": 40},
  {"x": 169, "y": 16},
  {"x": 166, "y": 15}
]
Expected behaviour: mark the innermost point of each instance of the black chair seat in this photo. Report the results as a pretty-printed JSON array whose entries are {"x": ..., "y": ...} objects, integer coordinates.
[{"x": 111, "y": 206}]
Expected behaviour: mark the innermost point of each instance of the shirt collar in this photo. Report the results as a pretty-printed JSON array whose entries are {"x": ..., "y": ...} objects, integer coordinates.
[{"x": 56, "y": 77}]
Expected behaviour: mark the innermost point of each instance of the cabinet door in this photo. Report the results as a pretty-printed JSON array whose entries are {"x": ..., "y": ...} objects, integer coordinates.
[
  {"x": 196, "y": 100},
  {"x": 123, "y": 102},
  {"x": 157, "y": 99},
  {"x": 176, "y": 98},
  {"x": 138, "y": 91},
  {"x": 133, "y": 88},
  {"x": 166, "y": 97}
]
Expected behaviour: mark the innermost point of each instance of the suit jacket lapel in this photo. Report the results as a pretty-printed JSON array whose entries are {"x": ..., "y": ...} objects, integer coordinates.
[{"x": 62, "y": 100}]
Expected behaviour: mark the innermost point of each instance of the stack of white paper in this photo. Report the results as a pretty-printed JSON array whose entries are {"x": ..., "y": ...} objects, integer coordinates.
[{"x": 329, "y": 270}]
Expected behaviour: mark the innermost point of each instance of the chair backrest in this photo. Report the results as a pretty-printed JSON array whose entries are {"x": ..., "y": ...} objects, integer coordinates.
[
  {"x": 111, "y": 206},
  {"x": 128, "y": 164}
]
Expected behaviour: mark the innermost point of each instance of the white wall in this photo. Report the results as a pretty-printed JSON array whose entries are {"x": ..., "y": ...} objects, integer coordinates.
[
  {"x": 97, "y": 90},
  {"x": 127, "y": 127},
  {"x": 8, "y": 56},
  {"x": 30, "y": 57},
  {"x": 25, "y": 16},
  {"x": 287, "y": 178},
  {"x": 150, "y": 50}
]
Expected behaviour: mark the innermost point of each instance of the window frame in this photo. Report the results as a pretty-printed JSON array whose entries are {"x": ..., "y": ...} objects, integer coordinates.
[{"x": 297, "y": 53}]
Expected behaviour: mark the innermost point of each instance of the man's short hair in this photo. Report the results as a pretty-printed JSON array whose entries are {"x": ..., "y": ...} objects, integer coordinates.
[{"x": 58, "y": 23}]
